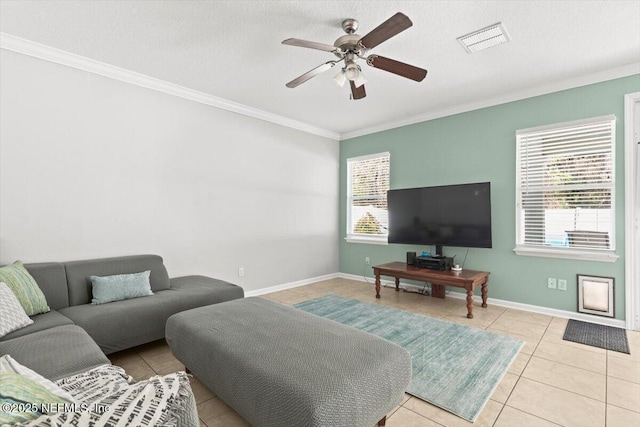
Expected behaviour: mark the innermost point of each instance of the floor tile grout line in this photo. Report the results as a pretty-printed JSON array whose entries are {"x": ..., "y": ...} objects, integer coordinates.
[
  {"x": 514, "y": 386},
  {"x": 508, "y": 397},
  {"x": 147, "y": 363},
  {"x": 202, "y": 403},
  {"x": 566, "y": 364},
  {"x": 555, "y": 361},
  {"x": 534, "y": 415},
  {"x": 525, "y": 321},
  {"x": 433, "y": 421},
  {"x": 497, "y": 327},
  {"x": 606, "y": 385},
  {"x": 501, "y": 409},
  {"x": 549, "y": 385},
  {"x": 568, "y": 391},
  {"x": 622, "y": 407},
  {"x": 567, "y": 343}
]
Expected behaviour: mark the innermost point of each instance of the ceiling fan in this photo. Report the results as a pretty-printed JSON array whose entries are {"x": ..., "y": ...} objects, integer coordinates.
[{"x": 352, "y": 46}]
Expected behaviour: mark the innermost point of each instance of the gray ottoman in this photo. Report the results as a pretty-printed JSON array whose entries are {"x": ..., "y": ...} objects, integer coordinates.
[{"x": 279, "y": 366}]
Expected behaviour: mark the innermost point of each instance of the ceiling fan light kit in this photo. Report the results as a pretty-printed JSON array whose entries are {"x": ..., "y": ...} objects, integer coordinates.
[
  {"x": 340, "y": 78},
  {"x": 360, "y": 80},
  {"x": 351, "y": 71},
  {"x": 350, "y": 47}
]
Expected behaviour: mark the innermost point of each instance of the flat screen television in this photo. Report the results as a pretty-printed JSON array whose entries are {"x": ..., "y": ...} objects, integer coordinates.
[{"x": 448, "y": 215}]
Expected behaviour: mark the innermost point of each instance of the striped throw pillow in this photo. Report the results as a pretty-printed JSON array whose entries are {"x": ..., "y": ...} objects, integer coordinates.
[{"x": 24, "y": 287}]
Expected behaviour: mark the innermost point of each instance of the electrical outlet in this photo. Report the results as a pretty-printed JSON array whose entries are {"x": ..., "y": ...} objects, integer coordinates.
[
  {"x": 551, "y": 283},
  {"x": 562, "y": 284},
  {"x": 367, "y": 260},
  {"x": 241, "y": 272}
]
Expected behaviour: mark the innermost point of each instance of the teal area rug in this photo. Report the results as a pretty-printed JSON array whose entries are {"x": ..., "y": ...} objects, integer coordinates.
[{"x": 455, "y": 367}]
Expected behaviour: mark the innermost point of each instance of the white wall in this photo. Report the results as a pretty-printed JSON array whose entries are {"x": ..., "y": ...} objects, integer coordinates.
[{"x": 93, "y": 167}]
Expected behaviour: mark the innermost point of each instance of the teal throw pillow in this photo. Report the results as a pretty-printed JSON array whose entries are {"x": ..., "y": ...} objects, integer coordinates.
[{"x": 120, "y": 287}]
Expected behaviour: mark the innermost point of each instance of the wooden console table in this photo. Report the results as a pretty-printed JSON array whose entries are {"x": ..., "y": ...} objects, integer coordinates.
[{"x": 467, "y": 279}]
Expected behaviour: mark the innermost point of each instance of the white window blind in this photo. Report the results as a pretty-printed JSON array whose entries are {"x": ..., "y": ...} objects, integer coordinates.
[
  {"x": 565, "y": 188},
  {"x": 368, "y": 182}
]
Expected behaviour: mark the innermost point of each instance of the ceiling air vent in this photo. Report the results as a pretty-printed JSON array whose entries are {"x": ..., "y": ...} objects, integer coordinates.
[{"x": 485, "y": 38}]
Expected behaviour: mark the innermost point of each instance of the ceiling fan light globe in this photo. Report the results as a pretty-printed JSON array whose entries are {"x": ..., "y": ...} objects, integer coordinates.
[
  {"x": 351, "y": 71},
  {"x": 340, "y": 78},
  {"x": 360, "y": 80}
]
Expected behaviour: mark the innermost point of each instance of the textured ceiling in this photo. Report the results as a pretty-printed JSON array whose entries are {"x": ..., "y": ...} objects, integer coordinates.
[{"x": 233, "y": 50}]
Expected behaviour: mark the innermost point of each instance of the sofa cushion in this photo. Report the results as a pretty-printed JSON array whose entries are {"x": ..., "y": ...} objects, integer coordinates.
[
  {"x": 122, "y": 324},
  {"x": 24, "y": 288},
  {"x": 79, "y": 273},
  {"x": 120, "y": 287},
  {"x": 195, "y": 291},
  {"x": 40, "y": 322},
  {"x": 69, "y": 350},
  {"x": 52, "y": 280},
  {"x": 12, "y": 315}
]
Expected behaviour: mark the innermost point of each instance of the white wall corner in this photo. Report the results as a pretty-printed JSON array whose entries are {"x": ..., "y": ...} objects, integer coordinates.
[{"x": 632, "y": 216}]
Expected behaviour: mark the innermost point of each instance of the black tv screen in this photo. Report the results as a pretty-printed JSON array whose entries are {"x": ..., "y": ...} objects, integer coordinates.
[{"x": 449, "y": 215}]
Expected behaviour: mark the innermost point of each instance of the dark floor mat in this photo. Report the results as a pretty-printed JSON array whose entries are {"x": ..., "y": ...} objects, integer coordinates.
[{"x": 606, "y": 337}]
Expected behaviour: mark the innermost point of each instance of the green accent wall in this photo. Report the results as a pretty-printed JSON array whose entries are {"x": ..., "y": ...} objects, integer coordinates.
[{"x": 481, "y": 146}]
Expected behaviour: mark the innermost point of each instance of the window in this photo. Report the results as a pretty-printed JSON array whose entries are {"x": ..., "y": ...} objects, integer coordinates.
[
  {"x": 565, "y": 196},
  {"x": 367, "y": 185}
]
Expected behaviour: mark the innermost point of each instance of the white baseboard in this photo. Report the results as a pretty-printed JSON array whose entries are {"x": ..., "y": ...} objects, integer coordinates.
[
  {"x": 290, "y": 285},
  {"x": 509, "y": 304}
]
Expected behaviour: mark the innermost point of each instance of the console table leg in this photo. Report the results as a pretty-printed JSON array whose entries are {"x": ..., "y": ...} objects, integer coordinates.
[
  {"x": 469, "y": 303},
  {"x": 377, "y": 286},
  {"x": 397, "y": 284},
  {"x": 484, "y": 294}
]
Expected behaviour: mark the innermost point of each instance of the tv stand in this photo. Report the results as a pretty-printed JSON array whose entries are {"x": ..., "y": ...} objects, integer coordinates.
[{"x": 467, "y": 279}]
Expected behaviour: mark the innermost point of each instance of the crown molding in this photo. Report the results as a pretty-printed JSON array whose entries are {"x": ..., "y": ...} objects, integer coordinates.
[
  {"x": 48, "y": 53},
  {"x": 584, "y": 80}
]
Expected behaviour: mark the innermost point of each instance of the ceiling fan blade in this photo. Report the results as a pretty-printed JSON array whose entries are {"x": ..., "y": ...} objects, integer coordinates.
[
  {"x": 310, "y": 45},
  {"x": 357, "y": 92},
  {"x": 309, "y": 74},
  {"x": 397, "y": 67},
  {"x": 383, "y": 32}
]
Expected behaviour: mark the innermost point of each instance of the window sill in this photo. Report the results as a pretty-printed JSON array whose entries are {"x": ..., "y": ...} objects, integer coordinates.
[
  {"x": 584, "y": 255},
  {"x": 367, "y": 240}
]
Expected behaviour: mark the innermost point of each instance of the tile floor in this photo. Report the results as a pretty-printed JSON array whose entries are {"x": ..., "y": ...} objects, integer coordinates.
[{"x": 551, "y": 383}]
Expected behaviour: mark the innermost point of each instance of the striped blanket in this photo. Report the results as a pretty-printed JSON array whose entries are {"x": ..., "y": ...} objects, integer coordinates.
[{"x": 107, "y": 396}]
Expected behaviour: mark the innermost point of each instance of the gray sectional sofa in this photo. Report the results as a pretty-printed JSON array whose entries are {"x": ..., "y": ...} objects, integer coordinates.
[{"x": 75, "y": 335}]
